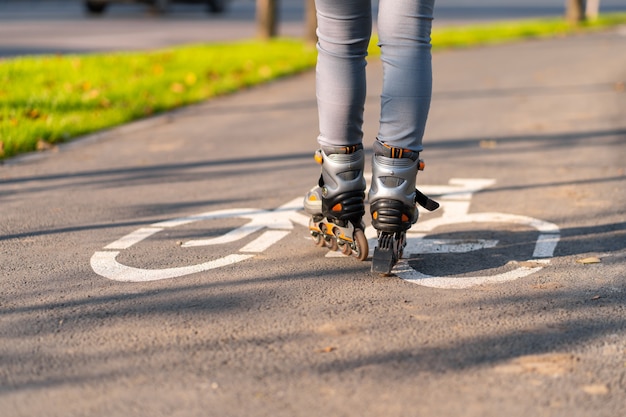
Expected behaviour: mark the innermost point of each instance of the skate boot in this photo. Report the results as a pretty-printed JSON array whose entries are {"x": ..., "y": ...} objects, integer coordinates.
[
  {"x": 393, "y": 199},
  {"x": 336, "y": 204}
]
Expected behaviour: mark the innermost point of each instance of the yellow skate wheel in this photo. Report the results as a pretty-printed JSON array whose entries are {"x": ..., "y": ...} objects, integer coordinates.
[
  {"x": 346, "y": 249},
  {"x": 362, "y": 249},
  {"x": 318, "y": 240}
]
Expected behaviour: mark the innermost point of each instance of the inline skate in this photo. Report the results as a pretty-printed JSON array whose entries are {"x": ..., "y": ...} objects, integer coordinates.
[
  {"x": 336, "y": 204},
  {"x": 393, "y": 198}
]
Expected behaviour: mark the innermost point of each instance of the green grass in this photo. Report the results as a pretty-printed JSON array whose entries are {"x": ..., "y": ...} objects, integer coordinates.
[
  {"x": 521, "y": 30},
  {"x": 52, "y": 99}
]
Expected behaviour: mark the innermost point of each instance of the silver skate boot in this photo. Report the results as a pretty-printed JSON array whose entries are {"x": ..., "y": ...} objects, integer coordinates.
[
  {"x": 336, "y": 204},
  {"x": 393, "y": 199}
]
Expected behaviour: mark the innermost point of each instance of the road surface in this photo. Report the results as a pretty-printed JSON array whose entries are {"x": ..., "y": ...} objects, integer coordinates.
[{"x": 511, "y": 302}]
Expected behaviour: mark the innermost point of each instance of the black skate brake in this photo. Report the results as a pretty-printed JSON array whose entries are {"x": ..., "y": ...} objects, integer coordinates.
[
  {"x": 385, "y": 256},
  {"x": 425, "y": 201}
]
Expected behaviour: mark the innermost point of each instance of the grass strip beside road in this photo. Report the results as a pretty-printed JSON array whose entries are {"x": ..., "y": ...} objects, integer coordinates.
[
  {"x": 502, "y": 32},
  {"x": 45, "y": 100},
  {"x": 52, "y": 99}
]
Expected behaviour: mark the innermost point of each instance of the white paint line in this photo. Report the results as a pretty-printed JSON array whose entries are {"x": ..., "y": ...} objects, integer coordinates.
[
  {"x": 540, "y": 225},
  {"x": 457, "y": 188},
  {"x": 454, "y": 208},
  {"x": 472, "y": 184},
  {"x": 293, "y": 205},
  {"x": 232, "y": 236},
  {"x": 264, "y": 241},
  {"x": 417, "y": 244},
  {"x": 546, "y": 244},
  {"x": 289, "y": 211},
  {"x": 105, "y": 264},
  {"x": 299, "y": 218},
  {"x": 406, "y": 272},
  {"x": 429, "y": 246},
  {"x": 211, "y": 215},
  {"x": 259, "y": 220},
  {"x": 130, "y": 239}
]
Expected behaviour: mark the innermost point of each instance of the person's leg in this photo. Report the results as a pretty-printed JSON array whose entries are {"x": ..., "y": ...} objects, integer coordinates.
[
  {"x": 337, "y": 204},
  {"x": 344, "y": 30},
  {"x": 404, "y": 28}
]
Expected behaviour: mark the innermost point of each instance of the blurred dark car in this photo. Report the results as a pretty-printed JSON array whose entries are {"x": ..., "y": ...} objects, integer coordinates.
[{"x": 161, "y": 6}]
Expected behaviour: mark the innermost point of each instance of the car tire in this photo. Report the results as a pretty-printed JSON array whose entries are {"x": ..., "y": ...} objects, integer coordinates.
[
  {"x": 217, "y": 6},
  {"x": 161, "y": 6},
  {"x": 95, "y": 7}
]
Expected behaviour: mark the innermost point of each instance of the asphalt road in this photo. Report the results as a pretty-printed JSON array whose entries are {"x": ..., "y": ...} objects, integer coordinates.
[
  {"x": 61, "y": 26},
  {"x": 106, "y": 310}
]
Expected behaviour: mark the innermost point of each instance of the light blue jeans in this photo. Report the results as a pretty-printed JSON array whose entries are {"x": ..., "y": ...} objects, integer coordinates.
[{"x": 344, "y": 30}]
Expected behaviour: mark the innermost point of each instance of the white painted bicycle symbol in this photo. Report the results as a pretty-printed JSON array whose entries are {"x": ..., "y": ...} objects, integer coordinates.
[{"x": 455, "y": 199}]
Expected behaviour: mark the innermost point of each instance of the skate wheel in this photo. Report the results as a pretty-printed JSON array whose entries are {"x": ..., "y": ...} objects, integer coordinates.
[
  {"x": 318, "y": 240},
  {"x": 332, "y": 244},
  {"x": 362, "y": 249},
  {"x": 346, "y": 249}
]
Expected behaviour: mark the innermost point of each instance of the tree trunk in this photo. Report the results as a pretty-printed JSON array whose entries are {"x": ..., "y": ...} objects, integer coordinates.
[
  {"x": 310, "y": 22},
  {"x": 575, "y": 12},
  {"x": 592, "y": 9},
  {"x": 267, "y": 18}
]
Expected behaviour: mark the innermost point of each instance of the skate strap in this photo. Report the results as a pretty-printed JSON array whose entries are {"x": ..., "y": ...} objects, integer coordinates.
[
  {"x": 398, "y": 153},
  {"x": 351, "y": 149},
  {"x": 425, "y": 201}
]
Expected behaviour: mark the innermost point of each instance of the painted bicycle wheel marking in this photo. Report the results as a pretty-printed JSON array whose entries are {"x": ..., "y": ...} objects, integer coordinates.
[
  {"x": 455, "y": 199},
  {"x": 279, "y": 223},
  {"x": 455, "y": 202}
]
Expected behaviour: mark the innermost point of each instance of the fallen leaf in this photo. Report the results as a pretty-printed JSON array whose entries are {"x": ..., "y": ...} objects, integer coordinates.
[
  {"x": 596, "y": 297},
  {"x": 190, "y": 79},
  {"x": 550, "y": 364},
  {"x": 596, "y": 389},
  {"x": 42, "y": 145},
  {"x": 488, "y": 144},
  {"x": 327, "y": 349},
  {"x": 33, "y": 113},
  {"x": 177, "y": 88},
  {"x": 265, "y": 71},
  {"x": 158, "y": 69},
  {"x": 91, "y": 94},
  {"x": 531, "y": 264},
  {"x": 590, "y": 260}
]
